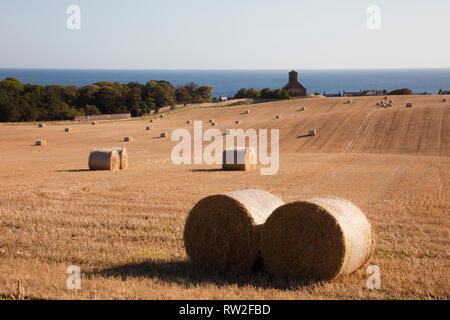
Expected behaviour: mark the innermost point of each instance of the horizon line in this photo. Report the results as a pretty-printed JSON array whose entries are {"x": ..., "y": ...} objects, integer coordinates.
[{"x": 171, "y": 69}]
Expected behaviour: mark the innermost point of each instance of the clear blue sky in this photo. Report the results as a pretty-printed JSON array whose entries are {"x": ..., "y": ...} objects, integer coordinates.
[{"x": 232, "y": 34}]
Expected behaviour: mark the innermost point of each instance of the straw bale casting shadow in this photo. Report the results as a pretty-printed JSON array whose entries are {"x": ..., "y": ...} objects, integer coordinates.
[
  {"x": 185, "y": 273},
  {"x": 74, "y": 170}
]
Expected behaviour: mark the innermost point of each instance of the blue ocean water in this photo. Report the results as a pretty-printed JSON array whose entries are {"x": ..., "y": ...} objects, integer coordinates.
[{"x": 227, "y": 82}]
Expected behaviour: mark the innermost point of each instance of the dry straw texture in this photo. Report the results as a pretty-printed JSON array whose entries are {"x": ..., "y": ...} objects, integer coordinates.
[
  {"x": 239, "y": 159},
  {"x": 106, "y": 159},
  {"x": 223, "y": 231},
  {"x": 123, "y": 156},
  {"x": 320, "y": 239}
]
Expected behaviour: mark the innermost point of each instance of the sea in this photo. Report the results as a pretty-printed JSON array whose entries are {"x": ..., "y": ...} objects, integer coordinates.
[{"x": 228, "y": 82}]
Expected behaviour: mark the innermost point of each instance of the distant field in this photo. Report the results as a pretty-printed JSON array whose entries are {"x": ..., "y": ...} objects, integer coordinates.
[{"x": 124, "y": 229}]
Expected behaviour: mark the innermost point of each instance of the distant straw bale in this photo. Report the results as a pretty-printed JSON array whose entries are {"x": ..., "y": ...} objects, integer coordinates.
[
  {"x": 67, "y": 129},
  {"x": 162, "y": 135},
  {"x": 41, "y": 142},
  {"x": 313, "y": 132},
  {"x": 223, "y": 232},
  {"x": 319, "y": 239},
  {"x": 123, "y": 156},
  {"x": 104, "y": 160},
  {"x": 239, "y": 159}
]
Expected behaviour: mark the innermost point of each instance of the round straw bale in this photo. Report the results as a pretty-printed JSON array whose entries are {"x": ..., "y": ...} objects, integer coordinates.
[
  {"x": 189, "y": 121},
  {"x": 128, "y": 139},
  {"x": 41, "y": 142},
  {"x": 319, "y": 239},
  {"x": 313, "y": 132},
  {"x": 277, "y": 117},
  {"x": 213, "y": 124},
  {"x": 211, "y": 120},
  {"x": 42, "y": 125},
  {"x": 237, "y": 122},
  {"x": 123, "y": 156},
  {"x": 162, "y": 115},
  {"x": 242, "y": 159},
  {"x": 106, "y": 159},
  {"x": 247, "y": 112},
  {"x": 223, "y": 231},
  {"x": 162, "y": 135},
  {"x": 409, "y": 105},
  {"x": 444, "y": 100},
  {"x": 67, "y": 129},
  {"x": 148, "y": 128},
  {"x": 93, "y": 123}
]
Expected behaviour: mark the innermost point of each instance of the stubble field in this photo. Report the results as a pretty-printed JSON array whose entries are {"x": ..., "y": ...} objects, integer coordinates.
[{"x": 124, "y": 229}]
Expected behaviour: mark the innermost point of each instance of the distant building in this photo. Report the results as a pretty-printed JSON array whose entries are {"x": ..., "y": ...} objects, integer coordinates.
[
  {"x": 295, "y": 87},
  {"x": 443, "y": 92}
]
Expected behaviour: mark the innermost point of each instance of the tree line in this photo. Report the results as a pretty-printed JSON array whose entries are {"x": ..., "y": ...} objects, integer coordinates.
[
  {"x": 278, "y": 94},
  {"x": 32, "y": 102}
]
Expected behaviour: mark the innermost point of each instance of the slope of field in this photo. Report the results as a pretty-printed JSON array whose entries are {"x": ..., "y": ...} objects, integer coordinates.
[{"x": 124, "y": 229}]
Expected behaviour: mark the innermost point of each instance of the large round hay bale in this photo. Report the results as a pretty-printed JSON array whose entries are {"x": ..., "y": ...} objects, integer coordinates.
[
  {"x": 123, "y": 156},
  {"x": 128, "y": 139},
  {"x": 42, "y": 125},
  {"x": 320, "y": 239},
  {"x": 223, "y": 231},
  {"x": 239, "y": 159},
  {"x": 67, "y": 129},
  {"x": 106, "y": 159}
]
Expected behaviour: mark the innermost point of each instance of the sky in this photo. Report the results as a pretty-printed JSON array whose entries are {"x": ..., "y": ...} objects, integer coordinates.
[{"x": 232, "y": 34}]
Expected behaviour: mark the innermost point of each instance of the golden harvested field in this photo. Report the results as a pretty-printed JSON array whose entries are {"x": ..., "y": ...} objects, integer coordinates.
[{"x": 125, "y": 228}]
